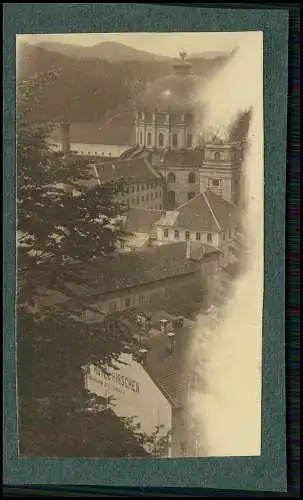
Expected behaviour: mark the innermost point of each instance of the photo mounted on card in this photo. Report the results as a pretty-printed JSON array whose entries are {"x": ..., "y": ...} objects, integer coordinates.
[{"x": 140, "y": 245}]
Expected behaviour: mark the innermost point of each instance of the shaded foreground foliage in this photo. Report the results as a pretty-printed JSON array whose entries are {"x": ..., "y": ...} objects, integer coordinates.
[{"x": 60, "y": 229}]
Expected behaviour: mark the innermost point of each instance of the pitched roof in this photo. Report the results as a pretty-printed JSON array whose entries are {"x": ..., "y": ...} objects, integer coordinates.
[
  {"x": 185, "y": 158},
  {"x": 136, "y": 169},
  {"x": 128, "y": 270},
  {"x": 141, "y": 220},
  {"x": 50, "y": 297},
  {"x": 225, "y": 213},
  {"x": 172, "y": 371},
  {"x": 205, "y": 212}
]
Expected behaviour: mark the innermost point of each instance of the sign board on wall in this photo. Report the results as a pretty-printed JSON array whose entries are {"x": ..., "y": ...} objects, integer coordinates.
[{"x": 133, "y": 394}]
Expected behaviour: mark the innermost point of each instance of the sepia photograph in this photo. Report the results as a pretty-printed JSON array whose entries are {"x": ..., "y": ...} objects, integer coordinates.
[{"x": 140, "y": 244}]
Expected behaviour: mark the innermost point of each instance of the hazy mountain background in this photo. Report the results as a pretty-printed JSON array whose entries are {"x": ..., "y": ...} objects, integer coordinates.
[
  {"x": 108, "y": 51},
  {"x": 94, "y": 84}
]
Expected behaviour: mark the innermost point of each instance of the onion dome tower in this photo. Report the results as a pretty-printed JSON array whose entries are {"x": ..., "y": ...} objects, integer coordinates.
[{"x": 167, "y": 113}]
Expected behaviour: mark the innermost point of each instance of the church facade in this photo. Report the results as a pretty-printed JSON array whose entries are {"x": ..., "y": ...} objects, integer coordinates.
[
  {"x": 171, "y": 140},
  {"x": 169, "y": 126}
]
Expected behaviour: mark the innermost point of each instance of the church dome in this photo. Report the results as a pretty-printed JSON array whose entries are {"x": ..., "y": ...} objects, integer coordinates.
[{"x": 175, "y": 93}]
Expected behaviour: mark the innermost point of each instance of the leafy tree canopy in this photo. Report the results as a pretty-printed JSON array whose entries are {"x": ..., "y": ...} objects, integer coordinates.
[{"x": 61, "y": 227}]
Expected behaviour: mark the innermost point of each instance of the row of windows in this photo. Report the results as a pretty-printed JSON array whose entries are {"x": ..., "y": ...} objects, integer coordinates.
[
  {"x": 96, "y": 153},
  {"x": 172, "y": 196},
  {"x": 127, "y": 303},
  {"x": 229, "y": 235},
  {"x": 136, "y": 199},
  {"x": 234, "y": 155},
  {"x": 187, "y": 235},
  {"x": 175, "y": 140},
  {"x": 171, "y": 178},
  {"x": 173, "y": 116},
  {"x": 143, "y": 186}
]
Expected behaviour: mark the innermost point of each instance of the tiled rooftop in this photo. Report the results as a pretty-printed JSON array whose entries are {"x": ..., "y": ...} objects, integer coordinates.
[
  {"x": 141, "y": 220},
  {"x": 171, "y": 370},
  {"x": 205, "y": 212},
  {"x": 122, "y": 271}
]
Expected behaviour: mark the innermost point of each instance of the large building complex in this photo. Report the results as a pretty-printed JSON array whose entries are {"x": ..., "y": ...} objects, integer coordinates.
[{"x": 181, "y": 196}]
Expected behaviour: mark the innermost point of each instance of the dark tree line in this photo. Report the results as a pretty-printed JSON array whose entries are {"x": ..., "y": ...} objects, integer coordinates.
[{"x": 59, "y": 233}]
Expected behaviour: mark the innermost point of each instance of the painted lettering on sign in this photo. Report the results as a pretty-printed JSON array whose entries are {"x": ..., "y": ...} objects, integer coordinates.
[{"x": 116, "y": 378}]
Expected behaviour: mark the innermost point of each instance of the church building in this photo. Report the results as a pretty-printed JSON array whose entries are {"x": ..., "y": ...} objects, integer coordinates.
[
  {"x": 169, "y": 139},
  {"x": 169, "y": 126}
]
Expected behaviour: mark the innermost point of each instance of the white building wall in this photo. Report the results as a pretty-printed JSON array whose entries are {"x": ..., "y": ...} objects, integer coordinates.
[
  {"x": 225, "y": 154},
  {"x": 182, "y": 236},
  {"x": 225, "y": 189},
  {"x": 142, "y": 195},
  {"x": 135, "y": 395},
  {"x": 102, "y": 150}
]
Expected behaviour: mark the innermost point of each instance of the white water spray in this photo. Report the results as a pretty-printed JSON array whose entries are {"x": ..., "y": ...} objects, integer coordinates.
[{"x": 228, "y": 406}]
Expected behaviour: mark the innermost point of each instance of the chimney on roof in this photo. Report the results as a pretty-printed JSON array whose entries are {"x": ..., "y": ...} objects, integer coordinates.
[
  {"x": 188, "y": 248},
  {"x": 179, "y": 322},
  {"x": 65, "y": 138},
  {"x": 171, "y": 337},
  {"x": 163, "y": 325}
]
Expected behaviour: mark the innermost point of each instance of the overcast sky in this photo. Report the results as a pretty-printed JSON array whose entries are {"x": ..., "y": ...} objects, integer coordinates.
[{"x": 168, "y": 44}]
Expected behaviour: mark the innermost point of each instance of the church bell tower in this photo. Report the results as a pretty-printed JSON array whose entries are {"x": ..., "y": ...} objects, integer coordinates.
[{"x": 221, "y": 169}]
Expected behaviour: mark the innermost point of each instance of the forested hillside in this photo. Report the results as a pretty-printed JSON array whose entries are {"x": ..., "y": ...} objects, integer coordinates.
[{"x": 88, "y": 89}]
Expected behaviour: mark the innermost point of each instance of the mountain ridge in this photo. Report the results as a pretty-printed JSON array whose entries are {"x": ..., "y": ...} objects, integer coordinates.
[
  {"x": 117, "y": 52},
  {"x": 92, "y": 89}
]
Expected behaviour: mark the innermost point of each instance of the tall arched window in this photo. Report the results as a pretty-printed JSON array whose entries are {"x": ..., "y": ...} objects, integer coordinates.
[
  {"x": 175, "y": 140},
  {"x": 171, "y": 197},
  {"x": 149, "y": 138},
  {"x": 187, "y": 235},
  {"x": 171, "y": 177},
  {"x": 191, "y": 178},
  {"x": 189, "y": 141},
  {"x": 161, "y": 140},
  {"x": 217, "y": 156}
]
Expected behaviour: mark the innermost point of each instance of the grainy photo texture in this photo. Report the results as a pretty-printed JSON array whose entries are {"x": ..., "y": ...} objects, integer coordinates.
[{"x": 139, "y": 244}]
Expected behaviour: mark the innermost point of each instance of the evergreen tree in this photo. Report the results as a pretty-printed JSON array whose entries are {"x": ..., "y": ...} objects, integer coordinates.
[{"x": 59, "y": 232}]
